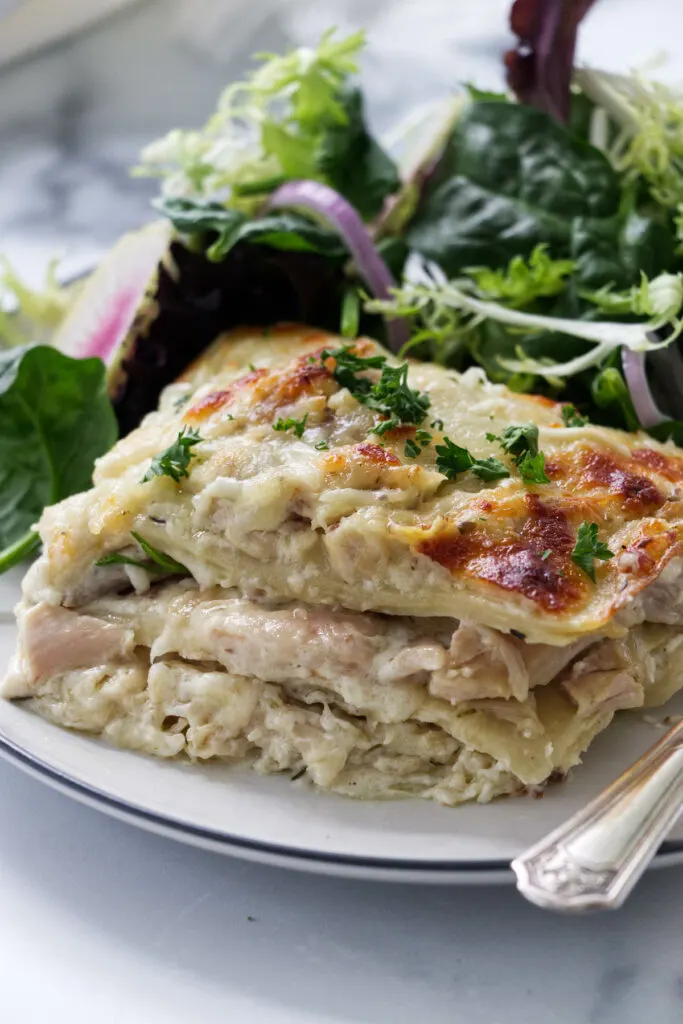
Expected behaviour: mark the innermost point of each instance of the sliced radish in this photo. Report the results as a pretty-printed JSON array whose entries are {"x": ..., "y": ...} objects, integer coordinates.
[{"x": 99, "y": 321}]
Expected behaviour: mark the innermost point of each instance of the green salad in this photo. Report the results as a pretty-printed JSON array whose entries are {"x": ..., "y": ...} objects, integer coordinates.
[{"x": 538, "y": 234}]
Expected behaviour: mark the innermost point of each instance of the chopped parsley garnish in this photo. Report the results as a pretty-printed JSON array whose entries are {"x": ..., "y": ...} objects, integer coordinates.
[
  {"x": 521, "y": 441},
  {"x": 297, "y": 426},
  {"x": 391, "y": 395},
  {"x": 156, "y": 561},
  {"x": 489, "y": 469},
  {"x": 451, "y": 460},
  {"x": 436, "y": 424},
  {"x": 588, "y": 548},
  {"x": 415, "y": 445},
  {"x": 174, "y": 461},
  {"x": 348, "y": 365},
  {"x": 571, "y": 417},
  {"x": 518, "y": 439},
  {"x": 322, "y": 446},
  {"x": 532, "y": 468}
]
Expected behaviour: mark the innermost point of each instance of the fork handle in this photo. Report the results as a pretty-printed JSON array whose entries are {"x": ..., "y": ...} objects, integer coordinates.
[{"x": 593, "y": 861}]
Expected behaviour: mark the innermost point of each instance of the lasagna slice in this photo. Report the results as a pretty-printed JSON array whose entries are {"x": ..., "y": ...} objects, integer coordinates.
[{"x": 272, "y": 568}]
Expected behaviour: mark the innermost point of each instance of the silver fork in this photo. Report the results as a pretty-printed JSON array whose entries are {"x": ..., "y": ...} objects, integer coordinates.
[{"x": 594, "y": 860}]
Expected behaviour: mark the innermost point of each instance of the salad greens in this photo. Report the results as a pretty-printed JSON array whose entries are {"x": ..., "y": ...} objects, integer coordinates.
[
  {"x": 550, "y": 226},
  {"x": 55, "y": 420},
  {"x": 539, "y": 236},
  {"x": 289, "y": 231},
  {"x": 296, "y": 116},
  {"x": 510, "y": 179},
  {"x": 523, "y": 281},
  {"x": 31, "y": 311}
]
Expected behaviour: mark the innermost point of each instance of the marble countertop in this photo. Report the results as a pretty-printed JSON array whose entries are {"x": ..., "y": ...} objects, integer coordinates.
[{"x": 101, "y": 921}]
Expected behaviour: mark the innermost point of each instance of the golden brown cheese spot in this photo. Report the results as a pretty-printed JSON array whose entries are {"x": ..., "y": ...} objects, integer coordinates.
[
  {"x": 508, "y": 550},
  {"x": 400, "y": 433},
  {"x": 638, "y": 492},
  {"x": 523, "y": 571},
  {"x": 217, "y": 400},
  {"x": 507, "y": 562},
  {"x": 301, "y": 334},
  {"x": 547, "y": 528},
  {"x": 652, "y": 547},
  {"x": 547, "y": 403},
  {"x": 668, "y": 466},
  {"x": 269, "y": 390},
  {"x": 605, "y": 475},
  {"x": 304, "y": 376},
  {"x": 375, "y": 453},
  {"x": 368, "y": 466}
]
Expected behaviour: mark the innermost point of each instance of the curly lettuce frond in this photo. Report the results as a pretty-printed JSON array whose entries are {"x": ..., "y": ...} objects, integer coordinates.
[
  {"x": 649, "y": 116},
  {"x": 264, "y": 128},
  {"x": 455, "y": 298},
  {"x": 659, "y": 299},
  {"x": 523, "y": 281}
]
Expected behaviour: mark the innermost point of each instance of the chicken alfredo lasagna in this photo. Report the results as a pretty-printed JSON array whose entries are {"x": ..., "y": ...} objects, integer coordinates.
[{"x": 393, "y": 578}]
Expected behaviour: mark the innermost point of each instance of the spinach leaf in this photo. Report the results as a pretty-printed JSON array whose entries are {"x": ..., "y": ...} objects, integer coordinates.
[
  {"x": 208, "y": 221},
  {"x": 512, "y": 179},
  {"x": 616, "y": 250},
  {"x": 353, "y": 163},
  {"x": 55, "y": 420}
]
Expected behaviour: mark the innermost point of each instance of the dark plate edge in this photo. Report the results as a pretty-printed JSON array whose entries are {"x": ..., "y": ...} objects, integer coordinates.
[{"x": 285, "y": 854}]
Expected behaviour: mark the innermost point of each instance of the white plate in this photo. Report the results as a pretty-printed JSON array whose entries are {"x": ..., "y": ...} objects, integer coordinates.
[{"x": 271, "y": 819}]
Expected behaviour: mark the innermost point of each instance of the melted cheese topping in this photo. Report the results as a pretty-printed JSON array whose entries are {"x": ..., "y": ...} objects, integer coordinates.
[{"x": 359, "y": 524}]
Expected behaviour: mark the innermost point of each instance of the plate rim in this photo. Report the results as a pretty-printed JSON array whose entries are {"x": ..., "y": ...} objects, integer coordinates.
[{"x": 376, "y": 868}]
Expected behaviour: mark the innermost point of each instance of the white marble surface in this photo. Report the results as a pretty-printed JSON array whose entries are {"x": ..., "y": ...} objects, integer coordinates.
[{"x": 102, "y": 922}]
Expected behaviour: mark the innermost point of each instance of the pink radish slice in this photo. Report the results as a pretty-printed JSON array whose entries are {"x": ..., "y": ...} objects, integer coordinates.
[{"x": 104, "y": 312}]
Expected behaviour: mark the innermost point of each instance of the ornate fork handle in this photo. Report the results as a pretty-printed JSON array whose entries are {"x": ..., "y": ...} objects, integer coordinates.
[{"x": 593, "y": 861}]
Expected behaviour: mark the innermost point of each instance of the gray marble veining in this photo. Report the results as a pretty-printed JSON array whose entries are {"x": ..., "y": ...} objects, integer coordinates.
[{"x": 73, "y": 119}]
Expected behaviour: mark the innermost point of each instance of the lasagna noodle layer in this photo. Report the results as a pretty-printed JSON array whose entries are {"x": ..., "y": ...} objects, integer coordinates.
[
  {"x": 366, "y": 705},
  {"x": 341, "y": 517}
]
